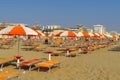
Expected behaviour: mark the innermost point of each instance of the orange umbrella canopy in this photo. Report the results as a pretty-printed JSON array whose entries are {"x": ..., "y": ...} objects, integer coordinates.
[
  {"x": 17, "y": 30},
  {"x": 86, "y": 34}
]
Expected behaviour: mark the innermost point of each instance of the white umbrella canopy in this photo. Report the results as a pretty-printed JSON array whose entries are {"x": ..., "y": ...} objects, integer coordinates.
[
  {"x": 109, "y": 36},
  {"x": 6, "y": 30},
  {"x": 80, "y": 34}
]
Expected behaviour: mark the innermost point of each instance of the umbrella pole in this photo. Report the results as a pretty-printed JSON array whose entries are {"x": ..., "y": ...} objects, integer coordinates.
[
  {"x": 18, "y": 45},
  {"x": 18, "y": 60}
]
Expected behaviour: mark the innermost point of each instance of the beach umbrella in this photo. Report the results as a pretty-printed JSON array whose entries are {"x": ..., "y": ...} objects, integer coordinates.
[
  {"x": 114, "y": 36},
  {"x": 80, "y": 34},
  {"x": 96, "y": 35},
  {"x": 68, "y": 34},
  {"x": 103, "y": 35},
  {"x": 85, "y": 34},
  {"x": 51, "y": 35},
  {"x": 109, "y": 36},
  {"x": 39, "y": 33},
  {"x": 18, "y": 30},
  {"x": 58, "y": 34}
]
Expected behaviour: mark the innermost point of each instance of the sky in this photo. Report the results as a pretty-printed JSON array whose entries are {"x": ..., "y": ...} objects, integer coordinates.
[{"x": 66, "y": 13}]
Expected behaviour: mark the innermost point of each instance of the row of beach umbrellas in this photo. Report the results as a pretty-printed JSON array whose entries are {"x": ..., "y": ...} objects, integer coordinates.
[
  {"x": 81, "y": 34},
  {"x": 22, "y": 30}
]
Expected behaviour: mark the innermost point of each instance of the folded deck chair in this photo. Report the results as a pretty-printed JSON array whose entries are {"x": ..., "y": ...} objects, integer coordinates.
[
  {"x": 31, "y": 62},
  {"x": 47, "y": 64}
]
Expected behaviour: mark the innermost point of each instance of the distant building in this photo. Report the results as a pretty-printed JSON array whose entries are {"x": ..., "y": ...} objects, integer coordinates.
[
  {"x": 6, "y": 24},
  {"x": 90, "y": 30},
  {"x": 55, "y": 31},
  {"x": 99, "y": 29},
  {"x": 52, "y": 26},
  {"x": 83, "y": 28},
  {"x": 73, "y": 29},
  {"x": 49, "y": 28}
]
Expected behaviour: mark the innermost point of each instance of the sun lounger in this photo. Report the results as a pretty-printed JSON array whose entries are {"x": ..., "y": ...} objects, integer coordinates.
[
  {"x": 38, "y": 48},
  {"x": 28, "y": 48},
  {"x": 56, "y": 53},
  {"x": 5, "y": 61},
  {"x": 73, "y": 53},
  {"x": 47, "y": 64},
  {"x": 85, "y": 50},
  {"x": 69, "y": 50},
  {"x": 5, "y": 75},
  {"x": 31, "y": 62}
]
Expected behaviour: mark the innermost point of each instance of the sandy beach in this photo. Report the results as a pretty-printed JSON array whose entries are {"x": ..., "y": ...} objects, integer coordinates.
[
  {"x": 102, "y": 64},
  {"x": 59, "y": 40}
]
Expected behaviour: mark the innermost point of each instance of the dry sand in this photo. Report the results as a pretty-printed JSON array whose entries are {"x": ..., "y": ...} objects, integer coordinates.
[{"x": 101, "y": 64}]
